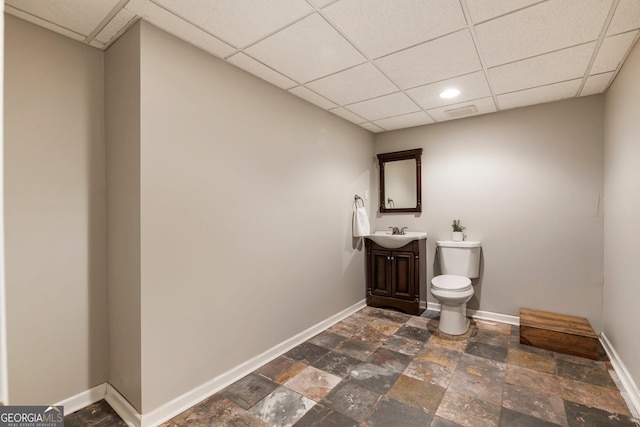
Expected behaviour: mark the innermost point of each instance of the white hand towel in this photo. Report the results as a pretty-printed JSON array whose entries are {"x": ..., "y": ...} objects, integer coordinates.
[{"x": 361, "y": 223}]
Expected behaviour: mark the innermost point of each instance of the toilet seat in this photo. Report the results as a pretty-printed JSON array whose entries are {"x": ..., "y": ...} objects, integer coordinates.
[{"x": 450, "y": 283}]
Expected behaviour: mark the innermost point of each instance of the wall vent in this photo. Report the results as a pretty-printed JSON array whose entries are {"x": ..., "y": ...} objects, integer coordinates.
[{"x": 467, "y": 110}]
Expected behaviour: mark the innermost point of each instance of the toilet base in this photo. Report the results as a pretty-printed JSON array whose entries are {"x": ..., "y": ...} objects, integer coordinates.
[{"x": 453, "y": 319}]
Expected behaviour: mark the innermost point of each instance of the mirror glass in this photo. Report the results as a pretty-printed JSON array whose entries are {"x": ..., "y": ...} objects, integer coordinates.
[
  {"x": 400, "y": 184},
  {"x": 400, "y": 181}
]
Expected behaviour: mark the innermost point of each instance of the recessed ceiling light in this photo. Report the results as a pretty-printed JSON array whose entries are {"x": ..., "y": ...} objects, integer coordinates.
[{"x": 449, "y": 93}]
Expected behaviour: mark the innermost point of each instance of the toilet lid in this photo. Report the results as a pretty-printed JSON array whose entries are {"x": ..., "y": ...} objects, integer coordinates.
[{"x": 451, "y": 283}]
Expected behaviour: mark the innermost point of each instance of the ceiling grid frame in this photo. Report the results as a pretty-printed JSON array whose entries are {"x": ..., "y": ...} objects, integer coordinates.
[
  {"x": 323, "y": 15},
  {"x": 596, "y": 50},
  {"x": 474, "y": 36},
  {"x": 422, "y": 49},
  {"x": 38, "y": 20},
  {"x": 191, "y": 23},
  {"x": 105, "y": 21}
]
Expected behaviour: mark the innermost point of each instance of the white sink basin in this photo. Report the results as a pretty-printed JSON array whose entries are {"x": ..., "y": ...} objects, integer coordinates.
[{"x": 394, "y": 241}]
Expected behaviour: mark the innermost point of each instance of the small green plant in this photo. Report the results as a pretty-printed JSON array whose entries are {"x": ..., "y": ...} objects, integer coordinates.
[{"x": 457, "y": 227}]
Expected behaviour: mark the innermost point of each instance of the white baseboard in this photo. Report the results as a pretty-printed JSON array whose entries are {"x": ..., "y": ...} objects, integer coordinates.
[
  {"x": 131, "y": 416},
  {"x": 189, "y": 399},
  {"x": 629, "y": 385},
  {"x": 483, "y": 315},
  {"x": 495, "y": 317},
  {"x": 128, "y": 413},
  {"x": 433, "y": 306},
  {"x": 86, "y": 398}
]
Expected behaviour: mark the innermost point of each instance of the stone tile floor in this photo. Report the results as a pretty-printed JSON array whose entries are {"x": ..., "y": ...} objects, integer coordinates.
[
  {"x": 384, "y": 368},
  {"x": 99, "y": 414}
]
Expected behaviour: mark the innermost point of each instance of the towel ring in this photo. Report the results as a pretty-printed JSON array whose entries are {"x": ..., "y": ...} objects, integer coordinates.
[{"x": 357, "y": 198}]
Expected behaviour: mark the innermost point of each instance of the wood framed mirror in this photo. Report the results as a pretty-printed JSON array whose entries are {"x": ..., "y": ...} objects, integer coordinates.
[{"x": 401, "y": 181}]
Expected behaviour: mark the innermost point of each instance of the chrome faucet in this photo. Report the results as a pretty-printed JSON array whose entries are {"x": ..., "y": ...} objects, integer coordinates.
[{"x": 396, "y": 230}]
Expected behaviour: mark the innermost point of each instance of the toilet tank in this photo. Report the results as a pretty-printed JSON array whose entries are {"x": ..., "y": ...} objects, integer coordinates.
[{"x": 459, "y": 258}]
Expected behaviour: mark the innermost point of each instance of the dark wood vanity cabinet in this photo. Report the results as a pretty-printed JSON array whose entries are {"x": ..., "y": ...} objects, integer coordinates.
[{"x": 395, "y": 276}]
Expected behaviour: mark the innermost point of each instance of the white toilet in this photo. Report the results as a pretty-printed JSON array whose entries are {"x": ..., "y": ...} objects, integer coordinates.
[{"x": 459, "y": 263}]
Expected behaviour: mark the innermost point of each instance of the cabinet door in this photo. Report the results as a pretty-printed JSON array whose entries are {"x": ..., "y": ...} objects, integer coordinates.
[
  {"x": 403, "y": 279},
  {"x": 380, "y": 273}
]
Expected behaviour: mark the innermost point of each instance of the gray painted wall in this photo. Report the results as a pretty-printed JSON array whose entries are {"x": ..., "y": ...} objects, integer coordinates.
[
  {"x": 622, "y": 213},
  {"x": 240, "y": 195},
  {"x": 528, "y": 184},
  {"x": 246, "y": 199},
  {"x": 122, "y": 135},
  {"x": 54, "y": 215},
  {"x": 246, "y": 171}
]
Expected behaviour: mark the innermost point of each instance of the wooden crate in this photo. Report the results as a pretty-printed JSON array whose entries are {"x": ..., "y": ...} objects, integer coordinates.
[{"x": 558, "y": 332}]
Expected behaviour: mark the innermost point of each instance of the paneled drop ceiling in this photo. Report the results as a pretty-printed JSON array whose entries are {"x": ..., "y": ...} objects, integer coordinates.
[{"x": 382, "y": 64}]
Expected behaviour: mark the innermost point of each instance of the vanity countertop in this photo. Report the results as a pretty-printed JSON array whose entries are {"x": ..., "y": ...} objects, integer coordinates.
[{"x": 394, "y": 241}]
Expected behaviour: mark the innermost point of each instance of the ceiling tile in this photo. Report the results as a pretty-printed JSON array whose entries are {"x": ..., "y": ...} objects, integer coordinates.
[
  {"x": 321, "y": 3},
  {"x": 239, "y": 22},
  {"x": 383, "y": 60},
  {"x": 553, "y": 67},
  {"x": 450, "y": 112},
  {"x": 178, "y": 27},
  {"x": 482, "y": 10},
  {"x": 625, "y": 18},
  {"x": 254, "y": 67},
  {"x": 355, "y": 84},
  {"x": 379, "y": 27},
  {"x": 120, "y": 21},
  {"x": 440, "y": 59},
  {"x": 44, "y": 24},
  {"x": 471, "y": 86},
  {"x": 596, "y": 84},
  {"x": 539, "y": 95},
  {"x": 542, "y": 28},
  {"x": 312, "y": 97},
  {"x": 307, "y": 50},
  {"x": 418, "y": 118},
  {"x": 612, "y": 52},
  {"x": 79, "y": 16},
  {"x": 373, "y": 128},
  {"x": 384, "y": 106},
  {"x": 347, "y": 115}
]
